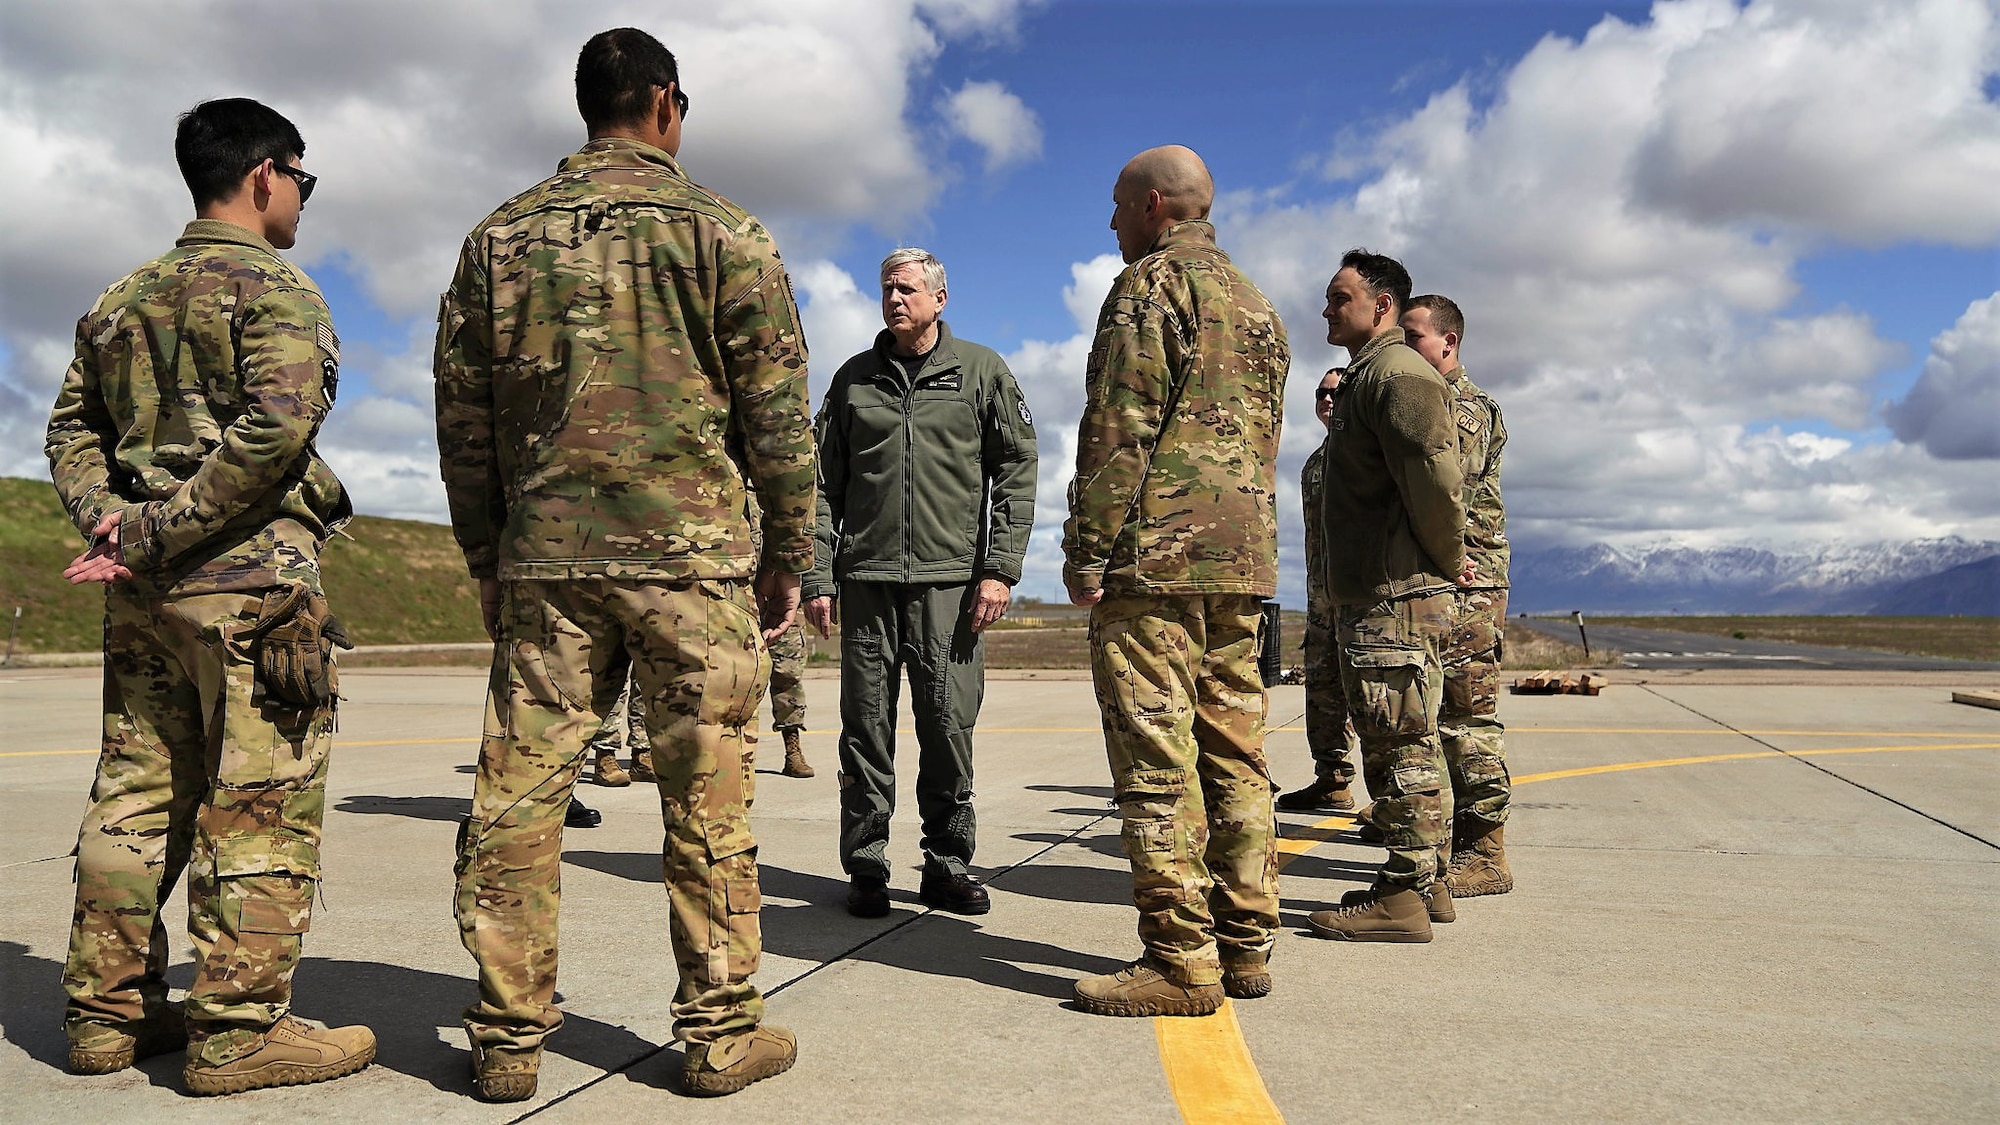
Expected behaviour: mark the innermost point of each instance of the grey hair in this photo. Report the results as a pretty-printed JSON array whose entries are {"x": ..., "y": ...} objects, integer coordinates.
[{"x": 902, "y": 256}]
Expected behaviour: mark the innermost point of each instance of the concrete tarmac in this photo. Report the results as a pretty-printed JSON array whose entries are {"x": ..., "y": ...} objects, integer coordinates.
[
  {"x": 1676, "y": 648},
  {"x": 1736, "y": 902}
]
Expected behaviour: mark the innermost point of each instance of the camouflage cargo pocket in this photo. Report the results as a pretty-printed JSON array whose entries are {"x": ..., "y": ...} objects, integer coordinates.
[
  {"x": 528, "y": 631},
  {"x": 267, "y": 882},
  {"x": 1389, "y": 690},
  {"x": 1149, "y": 800}
]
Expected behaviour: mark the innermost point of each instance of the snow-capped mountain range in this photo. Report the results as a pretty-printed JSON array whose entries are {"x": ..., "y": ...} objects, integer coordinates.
[{"x": 1949, "y": 575}]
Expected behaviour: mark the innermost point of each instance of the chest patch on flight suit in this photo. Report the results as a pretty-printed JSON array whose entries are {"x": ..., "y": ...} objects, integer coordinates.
[
  {"x": 951, "y": 382},
  {"x": 1468, "y": 421}
]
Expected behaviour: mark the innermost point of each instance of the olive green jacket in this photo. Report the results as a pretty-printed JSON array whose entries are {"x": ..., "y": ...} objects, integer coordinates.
[
  {"x": 1482, "y": 438},
  {"x": 621, "y": 382},
  {"x": 198, "y": 385},
  {"x": 924, "y": 480},
  {"x": 1176, "y": 456},
  {"x": 1391, "y": 494}
]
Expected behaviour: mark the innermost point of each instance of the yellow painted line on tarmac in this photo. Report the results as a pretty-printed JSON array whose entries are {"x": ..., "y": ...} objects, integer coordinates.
[
  {"x": 1208, "y": 1065},
  {"x": 1210, "y": 1071}
]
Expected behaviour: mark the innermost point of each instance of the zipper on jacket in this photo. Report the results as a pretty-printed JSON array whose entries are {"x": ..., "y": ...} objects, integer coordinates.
[{"x": 909, "y": 452}]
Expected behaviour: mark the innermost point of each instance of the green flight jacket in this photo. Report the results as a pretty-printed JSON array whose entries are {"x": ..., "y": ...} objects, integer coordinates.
[
  {"x": 198, "y": 385},
  {"x": 1482, "y": 438},
  {"x": 925, "y": 480},
  {"x": 621, "y": 382},
  {"x": 1391, "y": 495},
  {"x": 1176, "y": 456}
]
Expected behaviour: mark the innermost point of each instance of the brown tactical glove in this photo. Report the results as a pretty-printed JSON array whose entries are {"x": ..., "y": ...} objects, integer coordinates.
[{"x": 295, "y": 634}]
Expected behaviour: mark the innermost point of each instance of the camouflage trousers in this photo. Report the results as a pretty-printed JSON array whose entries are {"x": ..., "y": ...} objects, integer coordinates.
[
  {"x": 1391, "y": 668},
  {"x": 1329, "y": 736},
  {"x": 1183, "y": 711},
  {"x": 788, "y": 685},
  {"x": 697, "y": 659},
  {"x": 1469, "y": 720},
  {"x": 196, "y": 773}
]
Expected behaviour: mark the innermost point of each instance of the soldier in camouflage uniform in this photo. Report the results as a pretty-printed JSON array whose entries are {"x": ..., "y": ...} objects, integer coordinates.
[
  {"x": 621, "y": 383},
  {"x": 182, "y": 445},
  {"x": 1392, "y": 487},
  {"x": 1172, "y": 542},
  {"x": 788, "y": 697},
  {"x": 1468, "y": 719},
  {"x": 1329, "y": 736}
]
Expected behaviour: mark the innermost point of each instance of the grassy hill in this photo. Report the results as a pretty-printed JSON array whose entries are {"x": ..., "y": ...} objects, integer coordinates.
[{"x": 393, "y": 581}]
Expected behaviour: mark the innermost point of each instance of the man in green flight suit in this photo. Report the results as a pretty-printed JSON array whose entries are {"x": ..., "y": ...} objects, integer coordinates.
[
  {"x": 927, "y": 496},
  {"x": 182, "y": 446}
]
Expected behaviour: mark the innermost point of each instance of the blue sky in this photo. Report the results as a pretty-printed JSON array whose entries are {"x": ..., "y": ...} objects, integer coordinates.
[{"x": 1729, "y": 267}]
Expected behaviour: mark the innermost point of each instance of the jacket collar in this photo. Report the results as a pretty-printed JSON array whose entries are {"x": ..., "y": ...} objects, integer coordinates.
[
  {"x": 217, "y": 230},
  {"x": 619, "y": 152},
  {"x": 1391, "y": 335},
  {"x": 1189, "y": 232},
  {"x": 943, "y": 357}
]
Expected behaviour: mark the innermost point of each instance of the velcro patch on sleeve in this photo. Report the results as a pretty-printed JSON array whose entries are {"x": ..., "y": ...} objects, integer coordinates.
[{"x": 328, "y": 342}]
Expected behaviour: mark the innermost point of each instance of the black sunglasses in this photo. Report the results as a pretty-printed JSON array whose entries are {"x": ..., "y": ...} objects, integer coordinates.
[
  {"x": 681, "y": 101},
  {"x": 306, "y": 180},
  {"x": 1324, "y": 392}
]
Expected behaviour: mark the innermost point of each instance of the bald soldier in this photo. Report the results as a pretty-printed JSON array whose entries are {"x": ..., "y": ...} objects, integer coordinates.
[
  {"x": 1468, "y": 717},
  {"x": 1172, "y": 541}
]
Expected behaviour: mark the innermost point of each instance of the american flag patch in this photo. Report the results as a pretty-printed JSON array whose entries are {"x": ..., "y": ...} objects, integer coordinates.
[{"x": 328, "y": 343}]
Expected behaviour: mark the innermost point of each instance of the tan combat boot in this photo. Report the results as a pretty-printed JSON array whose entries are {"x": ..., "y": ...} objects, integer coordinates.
[
  {"x": 1246, "y": 976},
  {"x": 642, "y": 766},
  {"x": 294, "y": 1053},
  {"x": 1380, "y": 913},
  {"x": 1325, "y": 794},
  {"x": 608, "y": 772},
  {"x": 1141, "y": 989},
  {"x": 98, "y": 1048},
  {"x": 1437, "y": 901},
  {"x": 795, "y": 755},
  {"x": 1479, "y": 867},
  {"x": 505, "y": 1074},
  {"x": 725, "y": 1067}
]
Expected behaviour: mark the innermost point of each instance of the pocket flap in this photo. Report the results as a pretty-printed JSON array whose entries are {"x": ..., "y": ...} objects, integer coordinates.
[
  {"x": 266, "y": 854},
  {"x": 1362, "y": 657}
]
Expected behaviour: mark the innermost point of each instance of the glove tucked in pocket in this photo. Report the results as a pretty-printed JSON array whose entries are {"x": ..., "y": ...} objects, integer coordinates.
[{"x": 293, "y": 641}]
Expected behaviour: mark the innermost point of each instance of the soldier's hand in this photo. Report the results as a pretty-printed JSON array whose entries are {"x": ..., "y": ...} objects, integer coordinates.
[
  {"x": 821, "y": 615},
  {"x": 777, "y": 602},
  {"x": 489, "y": 606},
  {"x": 989, "y": 604},
  {"x": 105, "y": 560},
  {"x": 1086, "y": 597},
  {"x": 1470, "y": 574}
]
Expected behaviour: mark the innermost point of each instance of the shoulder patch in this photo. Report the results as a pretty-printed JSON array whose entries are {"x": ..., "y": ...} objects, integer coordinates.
[
  {"x": 327, "y": 341},
  {"x": 1026, "y": 418},
  {"x": 1468, "y": 423}
]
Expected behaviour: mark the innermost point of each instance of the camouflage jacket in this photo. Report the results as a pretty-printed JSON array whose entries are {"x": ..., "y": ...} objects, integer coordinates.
[
  {"x": 1482, "y": 438},
  {"x": 1393, "y": 479},
  {"x": 1311, "y": 481},
  {"x": 621, "y": 382},
  {"x": 928, "y": 479},
  {"x": 1175, "y": 489},
  {"x": 198, "y": 385}
]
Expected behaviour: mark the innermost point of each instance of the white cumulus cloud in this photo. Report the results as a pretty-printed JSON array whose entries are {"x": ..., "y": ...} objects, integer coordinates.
[
  {"x": 996, "y": 120},
  {"x": 1953, "y": 411}
]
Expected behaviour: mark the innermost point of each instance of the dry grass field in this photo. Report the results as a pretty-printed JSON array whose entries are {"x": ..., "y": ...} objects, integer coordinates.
[{"x": 1960, "y": 638}]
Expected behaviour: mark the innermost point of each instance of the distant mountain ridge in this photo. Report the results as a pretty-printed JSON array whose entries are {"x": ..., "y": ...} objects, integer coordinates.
[{"x": 1919, "y": 578}]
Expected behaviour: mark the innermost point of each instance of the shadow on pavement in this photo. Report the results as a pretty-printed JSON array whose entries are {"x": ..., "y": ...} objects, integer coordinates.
[
  {"x": 453, "y": 809},
  {"x": 404, "y": 1007},
  {"x": 822, "y": 930}
]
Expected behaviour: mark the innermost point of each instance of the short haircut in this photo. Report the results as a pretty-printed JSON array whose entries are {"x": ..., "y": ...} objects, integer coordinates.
[
  {"x": 616, "y": 73},
  {"x": 933, "y": 269},
  {"x": 1445, "y": 316},
  {"x": 1382, "y": 274},
  {"x": 218, "y": 142}
]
